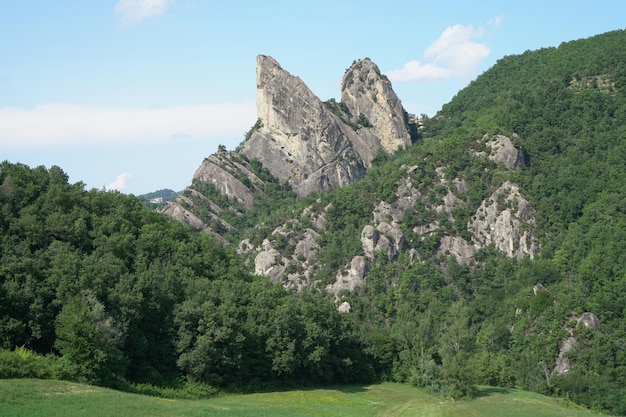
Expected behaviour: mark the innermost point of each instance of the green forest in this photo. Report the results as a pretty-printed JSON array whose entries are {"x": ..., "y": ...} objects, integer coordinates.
[{"x": 95, "y": 287}]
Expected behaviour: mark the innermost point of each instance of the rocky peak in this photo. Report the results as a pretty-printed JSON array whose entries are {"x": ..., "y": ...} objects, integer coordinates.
[
  {"x": 302, "y": 142},
  {"x": 370, "y": 98}
]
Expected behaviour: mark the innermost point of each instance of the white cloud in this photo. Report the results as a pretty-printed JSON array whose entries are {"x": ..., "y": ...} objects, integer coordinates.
[
  {"x": 120, "y": 182},
  {"x": 53, "y": 125},
  {"x": 455, "y": 54},
  {"x": 131, "y": 11}
]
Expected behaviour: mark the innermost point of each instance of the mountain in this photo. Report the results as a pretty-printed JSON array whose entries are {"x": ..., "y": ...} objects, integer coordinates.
[
  {"x": 510, "y": 202},
  {"x": 158, "y": 199},
  {"x": 342, "y": 244},
  {"x": 298, "y": 141}
]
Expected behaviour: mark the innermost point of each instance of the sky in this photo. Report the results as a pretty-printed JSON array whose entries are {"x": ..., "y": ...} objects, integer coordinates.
[{"x": 132, "y": 95}]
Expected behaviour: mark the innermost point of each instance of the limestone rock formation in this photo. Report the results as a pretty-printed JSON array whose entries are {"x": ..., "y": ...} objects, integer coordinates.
[
  {"x": 176, "y": 209},
  {"x": 500, "y": 149},
  {"x": 288, "y": 254},
  {"x": 462, "y": 250},
  {"x": 385, "y": 238},
  {"x": 352, "y": 278},
  {"x": 506, "y": 220},
  {"x": 369, "y": 97},
  {"x": 304, "y": 143},
  {"x": 563, "y": 365},
  {"x": 218, "y": 169},
  {"x": 299, "y": 140},
  {"x": 589, "y": 320},
  {"x": 224, "y": 173},
  {"x": 265, "y": 262},
  {"x": 539, "y": 288}
]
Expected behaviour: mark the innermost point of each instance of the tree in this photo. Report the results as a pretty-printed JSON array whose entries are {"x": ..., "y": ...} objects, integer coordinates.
[{"x": 90, "y": 339}]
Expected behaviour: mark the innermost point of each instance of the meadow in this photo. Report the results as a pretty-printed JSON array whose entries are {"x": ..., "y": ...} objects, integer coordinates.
[{"x": 35, "y": 398}]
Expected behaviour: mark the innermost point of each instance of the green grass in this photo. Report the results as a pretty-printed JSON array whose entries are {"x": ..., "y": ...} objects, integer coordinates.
[{"x": 31, "y": 398}]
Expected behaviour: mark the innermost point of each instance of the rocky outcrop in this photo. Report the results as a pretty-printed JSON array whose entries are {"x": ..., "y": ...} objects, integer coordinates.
[
  {"x": 299, "y": 141},
  {"x": 506, "y": 220},
  {"x": 267, "y": 262},
  {"x": 500, "y": 148},
  {"x": 587, "y": 320},
  {"x": 314, "y": 146},
  {"x": 538, "y": 288},
  {"x": 288, "y": 254},
  {"x": 226, "y": 174},
  {"x": 350, "y": 279},
  {"x": 304, "y": 143},
  {"x": 177, "y": 210},
  {"x": 369, "y": 97},
  {"x": 384, "y": 238},
  {"x": 461, "y": 249},
  {"x": 219, "y": 171},
  {"x": 562, "y": 364}
]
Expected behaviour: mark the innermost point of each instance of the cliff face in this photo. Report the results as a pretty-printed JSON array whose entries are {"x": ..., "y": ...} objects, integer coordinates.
[
  {"x": 368, "y": 96},
  {"x": 309, "y": 146},
  {"x": 300, "y": 141},
  {"x": 305, "y": 143}
]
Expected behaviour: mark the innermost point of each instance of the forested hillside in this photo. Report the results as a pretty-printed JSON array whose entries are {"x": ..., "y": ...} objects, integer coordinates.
[
  {"x": 115, "y": 294},
  {"x": 126, "y": 295}
]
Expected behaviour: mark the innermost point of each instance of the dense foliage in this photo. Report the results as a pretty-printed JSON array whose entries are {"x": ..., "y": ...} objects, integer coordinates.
[
  {"x": 124, "y": 294},
  {"x": 453, "y": 325},
  {"x": 120, "y": 293}
]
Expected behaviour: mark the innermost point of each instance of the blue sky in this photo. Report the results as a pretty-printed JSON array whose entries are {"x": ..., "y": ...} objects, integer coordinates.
[{"x": 134, "y": 94}]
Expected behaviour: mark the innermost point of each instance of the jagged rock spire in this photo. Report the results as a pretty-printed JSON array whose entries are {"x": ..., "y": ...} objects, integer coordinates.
[{"x": 304, "y": 143}]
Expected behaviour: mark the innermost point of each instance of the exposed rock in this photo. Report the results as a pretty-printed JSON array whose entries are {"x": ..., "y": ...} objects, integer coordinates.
[
  {"x": 563, "y": 365},
  {"x": 353, "y": 278},
  {"x": 216, "y": 174},
  {"x": 213, "y": 171},
  {"x": 245, "y": 246},
  {"x": 307, "y": 245},
  {"x": 406, "y": 196},
  {"x": 395, "y": 236},
  {"x": 539, "y": 288},
  {"x": 589, "y": 320},
  {"x": 506, "y": 220},
  {"x": 345, "y": 307},
  {"x": 502, "y": 150},
  {"x": 369, "y": 240},
  {"x": 301, "y": 141},
  {"x": 461, "y": 185},
  {"x": 459, "y": 247},
  {"x": 177, "y": 210},
  {"x": 318, "y": 220},
  {"x": 266, "y": 259},
  {"x": 385, "y": 238},
  {"x": 365, "y": 91},
  {"x": 414, "y": 255},
  {"x": 450, "y": 201}
]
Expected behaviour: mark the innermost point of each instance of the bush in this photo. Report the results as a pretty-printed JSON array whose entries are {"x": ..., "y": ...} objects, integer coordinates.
[{"x": 24, "y": 363}]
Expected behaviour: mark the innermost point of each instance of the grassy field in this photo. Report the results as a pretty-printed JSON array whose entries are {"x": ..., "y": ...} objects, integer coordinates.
[{"x": 34, "y": 398}]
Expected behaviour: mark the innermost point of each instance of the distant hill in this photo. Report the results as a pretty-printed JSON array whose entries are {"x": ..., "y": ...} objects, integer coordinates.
[{"x": 158, "y": 199}]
